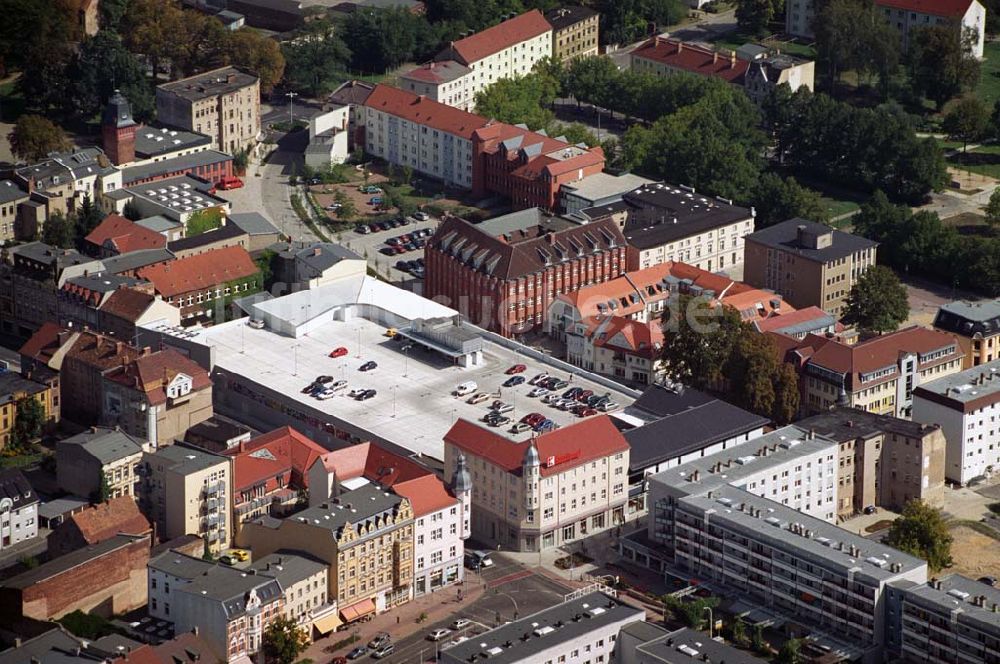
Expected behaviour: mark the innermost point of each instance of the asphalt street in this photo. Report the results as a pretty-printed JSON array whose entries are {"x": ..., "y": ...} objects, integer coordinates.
[{"x": 511, "y": 591}]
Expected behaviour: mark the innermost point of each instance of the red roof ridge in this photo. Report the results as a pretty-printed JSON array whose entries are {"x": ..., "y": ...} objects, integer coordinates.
[
  {"x": 950, "y": 8},
  {"x": 200, "y": 271},
  {"x": 495, "y": 38}
]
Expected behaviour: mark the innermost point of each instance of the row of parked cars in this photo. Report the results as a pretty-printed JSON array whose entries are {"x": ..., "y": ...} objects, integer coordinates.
[
  {"x": 577, "y": 400},
  {"x": 414, "y": 267},
  {"x": 400, "y": 244},
  {"x": 389, "y": 224}
]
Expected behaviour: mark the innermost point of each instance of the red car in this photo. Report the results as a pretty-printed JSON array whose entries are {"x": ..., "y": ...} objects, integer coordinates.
[
  {"x": 532, "y": 418},
  {"x": 516, "y": 369},
  {"x": 587, "y": 412},
  {"x": 338, "y": 352},
  {"x": 229, "y": 183}
]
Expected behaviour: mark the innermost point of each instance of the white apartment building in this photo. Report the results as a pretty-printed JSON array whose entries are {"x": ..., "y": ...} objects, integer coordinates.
[
  {"x": 506, "y": 50},
  {"x": 583, "y": 629},
  {"x": 423, "y": 135},
  {"x": 304, "y": 585},
  {"x": 904, "y": 15},
  {"x": 187, "y": 491},
  {"x": 535, "y": 494},
  {"x": 18, "y": 509},
  {"x": 762, "y": 526},
  {"x": 166, "y": 573},
  {"x": 967, "y": 406}
]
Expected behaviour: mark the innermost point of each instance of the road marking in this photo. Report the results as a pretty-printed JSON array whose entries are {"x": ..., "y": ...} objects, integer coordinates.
[{"x": 516, "y": 576}]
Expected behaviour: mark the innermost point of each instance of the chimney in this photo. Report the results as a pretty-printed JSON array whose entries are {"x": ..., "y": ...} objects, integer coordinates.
[
  {"x": 194, "y": 630},
  {"x": 715, "y": 57},
  {"x": 230, "y": 78},
  {"x": 93, "y": 429},
  {"x": 732, "y": 60},
  {"x": 119, "y": 346},
  {"x": 680, "y": 47}
]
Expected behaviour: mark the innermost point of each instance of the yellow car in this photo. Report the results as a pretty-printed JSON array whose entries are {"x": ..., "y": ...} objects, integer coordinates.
[
  {"x": 391, "y": 332},
  {"x": 240, "y": 555}
]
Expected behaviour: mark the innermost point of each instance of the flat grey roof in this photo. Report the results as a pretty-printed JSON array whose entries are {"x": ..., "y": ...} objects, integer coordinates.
[
  {"x": 843, "y": 424},
  {"x": 68, "y": 561},
  {"x": 229, "y": 586},
  {"x": 184, "y": 459},
  {"x": 680, "y": 213},
  {"x": 133, "y": 260},
  {"x": 562, "y": 623},
  {"x": 969, "y": 385},
  {"x": 101, "y": 282},
  {"x": 970, "y": 318},
  {"x": 687, "y": 646},
  {"x": 59, "y": 506},
  {"x": 253, "y": 223},
  {"x": 10, "y": 192},
  {"x": 12, "y": 383},
  {"x": 957, "y": 596},
  {"x": 153, "y": 141},
  {"x": 172, "y": 165},
  {"x": 784, "y": 236},
  {"x": 521, "y": 220},
  {"x": 602, "y": 185},
  {"x": 179, "y": 565},
  {"x": 159, "y": 223},
  {"x": 106, "y": 445},
  {"x": 225, "y": 232},
  {"x": 40, "y": 648},
  {"x": 289, "y": 567},
  {"x": 209, "y": 84}
]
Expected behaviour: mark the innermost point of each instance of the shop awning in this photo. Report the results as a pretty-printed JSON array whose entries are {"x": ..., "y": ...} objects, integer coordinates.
[
  {"x": 327, "y": 624},
  {"x": 358, "y": 611}
]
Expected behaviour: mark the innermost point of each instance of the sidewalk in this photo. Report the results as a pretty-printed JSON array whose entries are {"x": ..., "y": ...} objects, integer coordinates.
[{"x": 401, "y": 621}]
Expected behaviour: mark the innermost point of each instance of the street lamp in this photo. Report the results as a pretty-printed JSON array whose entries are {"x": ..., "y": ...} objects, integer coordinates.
[
  {"x": 711, "y": 619},
  {"x": 295, "y": 360},
  {"x": 393, "y": 388},
  {"x": 291, "y": 98},
  {"x": 406, "y": 359}
]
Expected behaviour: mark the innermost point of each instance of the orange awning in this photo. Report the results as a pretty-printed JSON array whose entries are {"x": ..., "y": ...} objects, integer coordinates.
[{"x": 357, "y": 611}]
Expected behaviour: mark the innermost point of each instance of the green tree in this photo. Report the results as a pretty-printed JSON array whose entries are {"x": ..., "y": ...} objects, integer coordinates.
[
  {"x": 111, "y": 13},
  {"x": 855, "y": 35},
  {"x": 206, "y": 550},
  {"x": 101, "y": 66},
  {"x": 407, "y": 173},
  {"x": 104, "y": 490},
  {"x": 786, "y": 394},
  {"x": 698, "y": 341},
  {"x": 740, "y": 636},
  {"x": 88, "y": 217},
  {"x": 757, "y": 641},
  {"x": 131, "y": 211},
  {"x": 203, "y": 221},
  {"x": 59, "y": 231},
  {"x": 385, "y": 38},
  {"x": 284, "y": 641},
  {"x": 575, "y": 133},
  {"x": 626, "y": 21},
  {"x": 313, "y": 61},
  {"x": 790, "y": 652},
  {"x": 967, "y": 121},
  {"x": 29, "y": 417},
  {"x": 993, "y": 209},
  {"x": 921, "y": 531},
  {"x": 878, "y": 302},
  {"x": 33, "y": 137},
  {"x": 778, "y": 200},
  {"x": 755, "y": 16},
  {"x": 258, "y": 53},
  {"x": 940, "y": 63},
  {"x": 518, "y": 100},
  {"x": 265, "y": 263}
]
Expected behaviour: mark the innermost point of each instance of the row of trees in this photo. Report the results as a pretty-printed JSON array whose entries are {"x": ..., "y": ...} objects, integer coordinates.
[
  {"x": 862, "y": 149},
  {"x": 920, "y": 243}
]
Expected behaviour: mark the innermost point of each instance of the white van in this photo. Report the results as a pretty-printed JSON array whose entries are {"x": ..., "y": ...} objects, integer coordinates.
[{"x": 467, "y": 387}]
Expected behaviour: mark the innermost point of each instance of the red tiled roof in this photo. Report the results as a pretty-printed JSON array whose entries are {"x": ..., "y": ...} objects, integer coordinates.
[
  {"x": 494, "y": 39},
  {"x": 117, "y": 516},
  {"x": 200, "y": 272},
  {"x": 286, "y": 449},
  {"x": 185, "y": 648},
  {"x": 423, "y": 111},
  {"x": 125, "y": 235},
  {"x": 98, "y": 350},
  {"x": 559, "y": 450},
  {"x": 630, "y": 336},
  {"x": 426, "y": 494},
  {"x": 43, "y": 343},
  {"x": 788, "y": 318},
  {"x": 374, "y": 463},
  {"x": 128, "y": 303},
  {"x": 151, "y": 374},
  {"x": 873, "y": 354},
  {"x": 694, "y": 59},
  {"x": 951, "y": 8}
]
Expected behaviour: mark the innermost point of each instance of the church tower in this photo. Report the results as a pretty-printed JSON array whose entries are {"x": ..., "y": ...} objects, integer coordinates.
[{"x": 118, "y": 130}]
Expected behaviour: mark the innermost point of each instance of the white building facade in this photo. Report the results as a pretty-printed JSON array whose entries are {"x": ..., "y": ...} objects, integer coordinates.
[{"x": 967, "y": 406}]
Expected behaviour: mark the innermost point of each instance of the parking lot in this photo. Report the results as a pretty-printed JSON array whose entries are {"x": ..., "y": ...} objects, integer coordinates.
[{"x": 371, "y": 244}]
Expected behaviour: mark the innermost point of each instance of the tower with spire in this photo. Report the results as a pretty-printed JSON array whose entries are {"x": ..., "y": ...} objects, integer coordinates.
[
  {"x": 461, "y": 486},
  {"x": 118, "y": 130},
  {"x": 531, "y": 473}
]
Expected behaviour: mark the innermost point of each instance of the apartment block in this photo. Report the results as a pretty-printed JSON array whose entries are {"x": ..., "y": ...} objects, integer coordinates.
[
  {"x": 648, "y": 643},
  {"x": 883, "y": 461},
  {"x": 18, "y": 509},
  {"x": 15, "y": 389},
  {"x": 952, "y": 619},
  {"x": 809, "y": 264},
  {"x": 364, "y": 535},
  {"x": 967, "y": 407},
  {"x": 878, "y": 375},
  {"x": 157, "y": 397},
  {"x": 552, "y": 490},
  {"x": 223, "y": 104},
  {"x": 506, "y": 50},
  {"x": 187, "y": 491},
  {"x": 575, "y": 32},
  {"x": 968, "y": 17},
  {"x": 304, "y": 581},
  {"x": 99, "y": 457},
  {"x": 12, "y": 197},
  {"x": 504, "y": 273},
  {"x": 468, "y": 151},
  {"x": 976, "y": 325},
  {"x": 441, "y": 513},
  {"x": 761, "y": 527},
  {"x": 230, "y": 608},
  {"x": 166, "y": 572}
]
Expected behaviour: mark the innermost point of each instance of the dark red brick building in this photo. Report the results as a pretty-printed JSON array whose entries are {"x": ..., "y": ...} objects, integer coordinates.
[{"x": 503, "y": 273}]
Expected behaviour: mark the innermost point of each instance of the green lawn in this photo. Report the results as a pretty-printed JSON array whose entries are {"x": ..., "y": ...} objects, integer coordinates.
[
  {"x": 984, "y": 160},
  {"x": 836, "y": 207},
  {"x": 988, "y": 89}
]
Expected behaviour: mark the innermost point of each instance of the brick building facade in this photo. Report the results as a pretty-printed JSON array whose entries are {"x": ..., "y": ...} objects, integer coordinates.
[{"x": 504, "y": 273}]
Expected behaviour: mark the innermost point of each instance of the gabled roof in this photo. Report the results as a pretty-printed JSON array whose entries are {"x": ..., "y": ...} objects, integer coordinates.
[
  {"x": 949, "y": 8},
  {"x": 43, "y": 343},
  {"x": 498, "y": 37},
  {"x": 374, "y": 463},
  {"x": 426, "y": 494},
  {"x": 200, "y": 272},
  {"x": 559, "y": 450},
  {"x": 694, "y": 59},
  {"x": 423, "y": 111},
  {"x": 128, "y": 303},
  {"x": 152, "y": 374},
  {"x": 444, "y": 71},
  {"x": 271, "y": 453},
  {"x": 100, "y": 522},
  {"x": 627, "y": 335},
  {"x": 124, "y": 235}
]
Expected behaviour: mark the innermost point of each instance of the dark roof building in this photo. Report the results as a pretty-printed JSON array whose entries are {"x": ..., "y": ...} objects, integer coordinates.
[
  {"x": 811, "y": 241},
  {"x": 563, "y": 17},
  {"x": 152, "y": 142}
]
